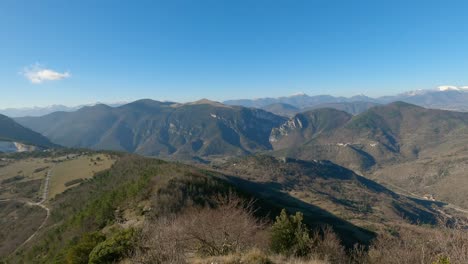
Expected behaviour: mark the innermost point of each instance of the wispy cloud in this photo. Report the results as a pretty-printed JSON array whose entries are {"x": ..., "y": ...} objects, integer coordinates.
[{"x": 38, "y": 74}]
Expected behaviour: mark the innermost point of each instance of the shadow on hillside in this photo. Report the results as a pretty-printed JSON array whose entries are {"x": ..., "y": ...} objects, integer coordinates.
[{"x": 271, "y": 197}]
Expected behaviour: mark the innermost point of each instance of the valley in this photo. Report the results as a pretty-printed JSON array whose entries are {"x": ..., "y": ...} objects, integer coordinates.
[{"x": 418, "y": 143}]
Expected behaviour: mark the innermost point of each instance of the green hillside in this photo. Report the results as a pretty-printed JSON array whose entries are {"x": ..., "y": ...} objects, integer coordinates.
[{"x": 12, "y": 131}]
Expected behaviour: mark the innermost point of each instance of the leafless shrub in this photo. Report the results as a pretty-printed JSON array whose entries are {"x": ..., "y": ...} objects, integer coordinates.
[
  {"x": 161, "y": 242},
  {"x": 326, "y": 246},
  {"x": 230, "y": 227},
  {"x": 414, "y": 244}
]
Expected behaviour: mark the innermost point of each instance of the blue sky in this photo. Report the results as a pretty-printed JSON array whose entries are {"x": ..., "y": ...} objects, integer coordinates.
[{"x": 73, "y": 52}]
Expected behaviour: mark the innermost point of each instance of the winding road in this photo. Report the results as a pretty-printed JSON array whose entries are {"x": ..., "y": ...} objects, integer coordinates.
[{"x": 45, "y": 193}]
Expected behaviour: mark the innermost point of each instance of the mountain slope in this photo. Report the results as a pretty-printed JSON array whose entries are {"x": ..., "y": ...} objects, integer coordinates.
[
  {"x": 138, "y": 191},
  {"x": 142, "y": 189},
  {"x": 420, "y": 150},
  {"x": 147, "y": 127},
  {"x": 10, "y": 131},
  {"x": 306, "y": 126},
  {"x": 397, "y": 130},
  {"x": 332, "y": 188}
]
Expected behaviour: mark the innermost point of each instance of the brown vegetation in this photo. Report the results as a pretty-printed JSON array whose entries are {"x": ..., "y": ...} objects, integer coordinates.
[
  {"x": 18, "y": 221},
  {"x": 228, "y": 229},
  {"x": 412, "y": 244},
  {"x": 230, "y": 234}
]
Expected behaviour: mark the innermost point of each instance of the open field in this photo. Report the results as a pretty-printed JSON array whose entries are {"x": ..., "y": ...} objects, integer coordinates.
[
  {"x": 30, "y": 168},
  {"x": 23, "y": 178},
  {"x": 70, "y": 171}
]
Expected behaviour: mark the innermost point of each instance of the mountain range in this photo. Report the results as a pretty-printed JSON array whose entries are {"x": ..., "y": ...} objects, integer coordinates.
[
  {"x": 445, "y": 97},
  {"x": 200, "y": 129},
  {"x": 40, "y": 111}
]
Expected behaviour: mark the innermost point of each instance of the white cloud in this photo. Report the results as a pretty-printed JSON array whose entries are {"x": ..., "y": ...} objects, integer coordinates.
[{"x": 38, "y": 74}]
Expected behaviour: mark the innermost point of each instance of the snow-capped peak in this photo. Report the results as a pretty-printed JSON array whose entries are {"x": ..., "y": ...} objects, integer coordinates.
[{"x": 444, "y": 88}]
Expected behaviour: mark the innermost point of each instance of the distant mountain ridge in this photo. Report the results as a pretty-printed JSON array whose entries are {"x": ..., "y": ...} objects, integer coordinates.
[
  {"x": 44, "y": 110},
  {"x": 445, "y": 97}
]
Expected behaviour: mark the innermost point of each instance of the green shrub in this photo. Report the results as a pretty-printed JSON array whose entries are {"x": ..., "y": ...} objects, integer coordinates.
[
  {"x": 79, "y": 253},
  {"x": 289, "y": 236},
  {"x": 442, "y": 260},
  {"x": 114, "y": 248}
]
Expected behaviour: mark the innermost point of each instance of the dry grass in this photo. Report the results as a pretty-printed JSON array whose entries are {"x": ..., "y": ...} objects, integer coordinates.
[
  {"x": 64, "y": 170},
  {"x": 82, "y": 167},
  {"x": 24, "y": 167},
  {"x": 30, "y": 171},
  {"x": 254, "y": 256}
]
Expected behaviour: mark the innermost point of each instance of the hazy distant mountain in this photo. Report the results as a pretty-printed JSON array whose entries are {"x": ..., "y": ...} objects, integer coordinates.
[
  {"x": 445, "y": 97},
  {"x": 353, "y": 108},
  {"x": 288, "y": 110},
  {"x": 298, "y": 101},
  {"x": 36, "y": 111},
  {"x": 13, "y": 136},
  {"x": 40, "y": 111},
  {"x": 442, "y": 98},
  {"x": 282, "y": 109},
  {"x": 200, "y": 129}
]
